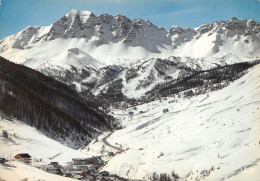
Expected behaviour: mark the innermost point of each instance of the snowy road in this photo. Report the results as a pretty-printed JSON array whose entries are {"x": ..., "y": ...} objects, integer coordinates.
[{"x": 109, "y": 145}]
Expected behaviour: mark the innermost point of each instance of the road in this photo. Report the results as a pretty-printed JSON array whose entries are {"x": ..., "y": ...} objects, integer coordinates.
[{"x": 109, "y": 145}]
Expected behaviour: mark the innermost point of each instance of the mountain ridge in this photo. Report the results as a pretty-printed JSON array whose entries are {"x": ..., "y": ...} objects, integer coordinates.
[{"x": 108, "y": 38}]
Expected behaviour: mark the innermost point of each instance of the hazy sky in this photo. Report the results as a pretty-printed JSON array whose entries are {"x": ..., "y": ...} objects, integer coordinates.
[{"x": 15, "y": 15}]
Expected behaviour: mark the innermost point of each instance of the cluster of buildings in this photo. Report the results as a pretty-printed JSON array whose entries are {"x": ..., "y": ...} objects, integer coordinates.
[{"x": 85, "y": 169}]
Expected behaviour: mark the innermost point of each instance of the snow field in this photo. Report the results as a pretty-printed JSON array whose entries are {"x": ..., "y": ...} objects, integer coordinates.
[{"x": 216, "y": 134}]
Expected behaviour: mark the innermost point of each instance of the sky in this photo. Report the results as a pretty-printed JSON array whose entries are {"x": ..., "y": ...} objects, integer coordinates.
[{"x": 15, "y": 15}]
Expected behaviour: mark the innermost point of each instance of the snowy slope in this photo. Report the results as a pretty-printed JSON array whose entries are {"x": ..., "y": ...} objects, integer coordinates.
[
  {"x": 16, "y": 171},
  {"x": 25, "y": 139},
  {"x": 117, "y": 39},
  {"x": 211, "y": 137}
]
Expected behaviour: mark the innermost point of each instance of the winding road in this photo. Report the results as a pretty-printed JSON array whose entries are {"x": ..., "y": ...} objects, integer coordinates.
[{"x": 109, "y": 145}]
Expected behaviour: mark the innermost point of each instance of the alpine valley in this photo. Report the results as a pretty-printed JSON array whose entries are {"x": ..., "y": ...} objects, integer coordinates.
[{"x": 153, "y": 104}]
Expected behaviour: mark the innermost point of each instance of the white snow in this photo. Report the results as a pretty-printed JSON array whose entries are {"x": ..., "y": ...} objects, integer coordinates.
[
  {"x": 25, "y": 139},
  {"x": 219, "y": 131},
  {"x": 210, "y": 137},
  {"x": 104, "y": 41},
  {"x": 16, "y": 171}
]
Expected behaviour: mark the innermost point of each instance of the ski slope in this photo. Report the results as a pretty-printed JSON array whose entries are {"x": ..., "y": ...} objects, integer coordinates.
[{"x": 210, "y": 137}]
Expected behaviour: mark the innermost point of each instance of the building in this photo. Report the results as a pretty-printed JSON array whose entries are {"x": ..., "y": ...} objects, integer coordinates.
[
  {"x": 54, "y": 165},
  {"x": 56, "y": 171},
  {"x": 104, "y": 173},
  {"x": 165, "y": 110},
  {"x": 110, "y": 153},
  {"x": 26, "y": 158},
  {"x": 87, "y": 161}
]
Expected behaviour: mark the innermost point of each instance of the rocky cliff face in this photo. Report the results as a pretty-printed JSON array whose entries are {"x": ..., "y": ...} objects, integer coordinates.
[
  {"x": 98, "y": 30},
  {"x": 105, "y": 28}
]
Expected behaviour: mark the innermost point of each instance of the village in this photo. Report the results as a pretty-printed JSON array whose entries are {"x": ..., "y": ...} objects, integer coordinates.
[{"x": 85, "y": 169}]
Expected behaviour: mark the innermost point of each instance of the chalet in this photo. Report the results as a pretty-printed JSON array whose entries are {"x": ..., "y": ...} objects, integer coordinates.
[{"x": 26, "y": 158}]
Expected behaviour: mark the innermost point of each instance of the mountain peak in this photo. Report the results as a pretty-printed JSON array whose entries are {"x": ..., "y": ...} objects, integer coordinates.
[
  {"x": 78, "y": 12},
  {"x": 118, "y": 33},
  {"x": 233, "y": 19}
]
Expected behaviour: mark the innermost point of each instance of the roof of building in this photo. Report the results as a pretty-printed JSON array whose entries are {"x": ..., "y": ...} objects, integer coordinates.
[
  {"x": 86, "y": 159},
  {"x": 54, "y": 163},
  {"x": 104, "y": 171},
  {"x": 24, "y": 155}
]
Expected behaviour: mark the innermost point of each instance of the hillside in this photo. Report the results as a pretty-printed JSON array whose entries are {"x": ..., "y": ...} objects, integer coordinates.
[
  {"x": 50, "y": 106},
  {"x": 213, "y": 136},
  {"x": 25, "y": 139}
]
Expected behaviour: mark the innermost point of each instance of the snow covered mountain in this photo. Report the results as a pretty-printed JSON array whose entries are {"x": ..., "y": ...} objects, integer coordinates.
[
  {"x": 87, "y": 52},
  {"x": 81, "y": 35},
  {"x": 187, "y": 99}
]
